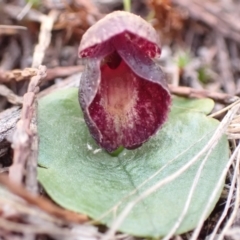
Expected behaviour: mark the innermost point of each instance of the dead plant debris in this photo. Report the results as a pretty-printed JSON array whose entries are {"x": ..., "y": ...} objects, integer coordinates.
[{"x": 39, "y": 47}]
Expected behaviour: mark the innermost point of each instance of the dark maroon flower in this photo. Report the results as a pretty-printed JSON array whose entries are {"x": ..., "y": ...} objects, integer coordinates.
[{"x": 123, "y": 92}]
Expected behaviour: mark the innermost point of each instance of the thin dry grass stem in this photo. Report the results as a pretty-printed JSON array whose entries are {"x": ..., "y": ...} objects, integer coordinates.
[
  {"x": 224, "y": 65},
  {"x": 13, "y": 11},
  {"x": 236, "y": 120},
  {"x": 42, "y": 203},
  {"x": 44, "y": 38},
  {"x": 213, "y": 115},
  {"x": 30, "y": 228},
  {"x": 31, "y": 163},
  {"x": 233, "y": 188},
  {"x": 234, "y": 126},
  {"x": 227, "y": 119},
  {"x": 27, "y": 73},
  {"x": 57, "y": 232},
  {"x": 233, "y": 136},
  {"x": 10, "y": 95},
  {"x": 19, "y": 206},
  {"x": 233, "y": 142},
  {"x": 208, "y": 147},
  {"x": 10, "y": 30},
  {"x": 236, "y": 202},
  {"x": 196, "y": 93},
  {"x": 13, "y": 207},
  {"x": 37, "y": 221},
  {"x": 189, "y": 198},
  {"x": 115, "y": 207},
  {"x": 12, "y": 27},
  {"x": 233, "y": 131},
  {"x": 211, "y": 198},
  {"x": 59, "y": 72},
  {"x": 24, "y": 11}
]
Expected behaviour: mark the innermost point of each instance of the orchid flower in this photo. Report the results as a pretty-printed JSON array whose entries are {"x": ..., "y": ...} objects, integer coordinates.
[{"x": 123, "y": 91}]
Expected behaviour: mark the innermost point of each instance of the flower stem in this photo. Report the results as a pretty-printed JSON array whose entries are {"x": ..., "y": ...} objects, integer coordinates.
[
  {"x": 117, "y": 152},
  {"x": 127, "y": 5}
]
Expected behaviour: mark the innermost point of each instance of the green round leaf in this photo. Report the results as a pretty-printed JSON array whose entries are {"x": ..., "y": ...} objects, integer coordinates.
[
  {"x": 80, "y": 176},
  {"x": 204, "y": 105}
]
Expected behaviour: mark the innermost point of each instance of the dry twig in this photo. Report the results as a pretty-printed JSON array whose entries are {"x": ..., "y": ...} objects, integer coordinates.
[
  {"x": 224, "y": 66},
  {"x": 17, "y": 75},
  {"x": 23, "y": 135},
  {"x": 195, "y": 93},
  {"x": 10, "y": 95},
  {"x": 10, "y": 30},
  {"x": 44, "y": 38},
  {"x": 27, "y": 73},
  {"x": 41, "y": 202}
]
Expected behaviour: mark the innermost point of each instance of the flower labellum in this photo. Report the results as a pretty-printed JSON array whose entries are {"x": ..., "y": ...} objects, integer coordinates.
[{"x": 123, "y": 92}]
